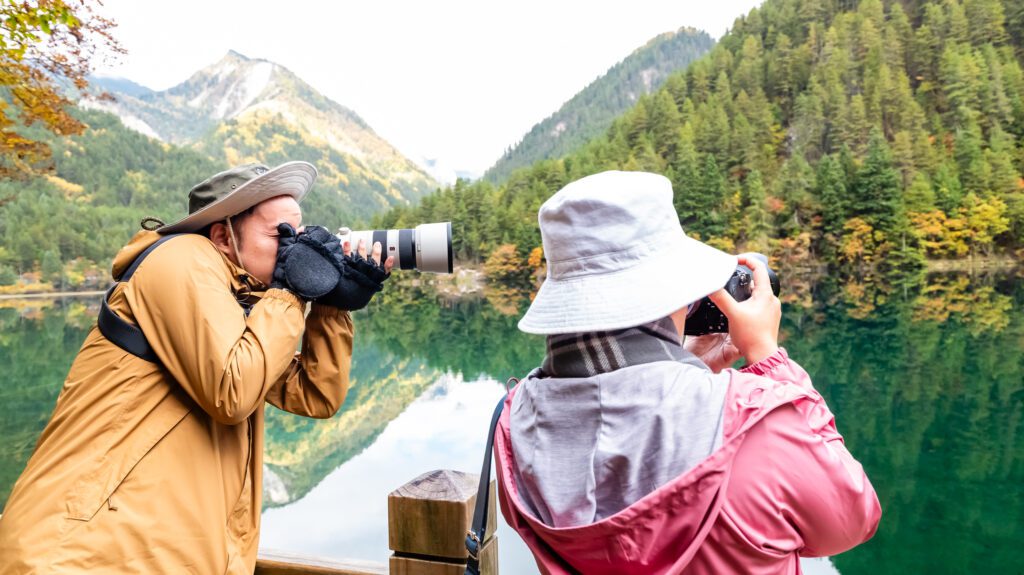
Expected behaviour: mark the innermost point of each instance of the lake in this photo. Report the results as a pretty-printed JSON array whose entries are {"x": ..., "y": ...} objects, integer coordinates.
[{"x": 925, "y": 376}]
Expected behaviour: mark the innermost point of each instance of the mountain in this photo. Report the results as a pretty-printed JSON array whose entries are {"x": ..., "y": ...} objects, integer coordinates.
[
  {"x": 590, "y": 112},
  {"x": 119, "y": 85},
  {"x": 869, "y": 135},
  {"x": 245, "y": 109}
]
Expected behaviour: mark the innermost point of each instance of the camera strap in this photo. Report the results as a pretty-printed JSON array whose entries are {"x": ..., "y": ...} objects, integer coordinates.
[
  {"x": 477, "y": 533},
  {"x": 121, "y": 333}
]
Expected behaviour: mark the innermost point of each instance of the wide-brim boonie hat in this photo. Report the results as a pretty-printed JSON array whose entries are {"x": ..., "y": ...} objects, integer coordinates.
[
  {"x": 233, "y": 191},
  {"x": 617, "y": 257}
]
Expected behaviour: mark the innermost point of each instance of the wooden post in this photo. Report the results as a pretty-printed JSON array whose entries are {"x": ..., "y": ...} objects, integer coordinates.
[{"x": 427, "y": 523}]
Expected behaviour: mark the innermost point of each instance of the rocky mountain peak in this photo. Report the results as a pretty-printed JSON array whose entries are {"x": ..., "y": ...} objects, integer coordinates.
[{"x": 226, "y": 88}]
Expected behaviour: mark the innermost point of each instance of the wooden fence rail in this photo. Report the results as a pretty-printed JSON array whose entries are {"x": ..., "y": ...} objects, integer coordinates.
[{"x": 281, "y": 563}]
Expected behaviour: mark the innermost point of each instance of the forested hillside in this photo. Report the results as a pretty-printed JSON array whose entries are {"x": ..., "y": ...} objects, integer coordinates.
[
  {"x": 863, "y": 134},
  {"x": 66, "y": 226},
  {"x": 589, "y": 113},
  {"x": 69, "y": 224}
]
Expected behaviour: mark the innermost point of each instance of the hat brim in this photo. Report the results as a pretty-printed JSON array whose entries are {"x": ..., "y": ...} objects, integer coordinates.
[
  {"x": 289, "y": 179},
  {"x": 651, "y": 290}
]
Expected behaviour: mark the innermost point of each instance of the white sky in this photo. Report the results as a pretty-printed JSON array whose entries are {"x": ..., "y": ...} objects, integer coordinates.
[{"x": 452, "y": 80}]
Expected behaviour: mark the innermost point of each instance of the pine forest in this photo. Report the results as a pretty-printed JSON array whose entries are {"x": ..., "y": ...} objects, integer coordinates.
[{"x": 863, "y": 135}]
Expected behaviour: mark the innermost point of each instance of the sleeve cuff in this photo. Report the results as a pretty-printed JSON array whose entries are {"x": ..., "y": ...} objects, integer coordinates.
[
  {"x": 768, "y": 364},
  {"x": 285, "y": 296},
  {"x": 323, "y": 311}
]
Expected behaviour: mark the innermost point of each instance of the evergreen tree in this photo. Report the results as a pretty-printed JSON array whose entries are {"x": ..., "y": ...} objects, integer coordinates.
[
  {"x": 969, "y": 156},
  {"x": 710, "y": 193},
  {"x": 684, "y": 174},
  {"x": 948, "y": 190},
  {"x": 1015, "y": 25},
  {"x": 52, "y": 267},
  {"x": 750, "y": 72},
  {"x": 986, "y": 18},
  {"x": 877, "y": 194},
  {"x": 795, "y": 185},
  {"x": 757, "y": 224},
  {"x": 853, "y": 125},
  {"x": 665, "y": 123},
  {"x": 920, "y": 196},
  {"x": 1004, "y": 179},
  {"x": 711, "y": 129},
  {"x": 831, "y": 188},
  {"x": 809, "y": 126},
  {"x": 957, "y": 29}
]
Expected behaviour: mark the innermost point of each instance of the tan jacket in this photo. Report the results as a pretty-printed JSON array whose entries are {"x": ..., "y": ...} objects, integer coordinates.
[{"x": 157, "y": 468}]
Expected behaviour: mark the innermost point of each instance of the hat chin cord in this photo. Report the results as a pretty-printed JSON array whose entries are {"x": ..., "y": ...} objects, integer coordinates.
[{"x": 234, "y": 243}]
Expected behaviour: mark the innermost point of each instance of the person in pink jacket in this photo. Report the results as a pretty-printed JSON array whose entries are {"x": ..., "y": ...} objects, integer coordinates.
[{"x": 628, "y": 452}]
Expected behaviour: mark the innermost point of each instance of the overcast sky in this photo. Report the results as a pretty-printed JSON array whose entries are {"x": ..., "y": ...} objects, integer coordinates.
[{"x": 452, "y": 80}]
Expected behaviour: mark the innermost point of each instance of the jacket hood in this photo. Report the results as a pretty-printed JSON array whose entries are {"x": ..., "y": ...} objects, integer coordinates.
[
  {"x": 132, "y": 250},
  {"x": 661, "y": 532},
  {"x": 145, "y": 238}
]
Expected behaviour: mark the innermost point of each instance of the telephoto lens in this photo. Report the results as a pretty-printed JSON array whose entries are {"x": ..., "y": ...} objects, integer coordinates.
[
  {"x": 705, "y": 317},
  {"x": 427, "y": 247}
]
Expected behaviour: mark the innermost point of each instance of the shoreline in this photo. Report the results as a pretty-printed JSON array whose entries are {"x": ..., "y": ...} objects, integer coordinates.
[
  {"x": 971, "y": 265},
  {"x": 51, "y": 294},
  {"x": 470, "y": 279}
]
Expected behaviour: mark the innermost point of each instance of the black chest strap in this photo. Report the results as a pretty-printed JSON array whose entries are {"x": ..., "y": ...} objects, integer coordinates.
[{"x": 125, "y": 335}]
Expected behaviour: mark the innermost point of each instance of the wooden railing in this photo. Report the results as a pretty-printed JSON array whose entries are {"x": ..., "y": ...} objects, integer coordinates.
[{"x": 281, "y": 563}]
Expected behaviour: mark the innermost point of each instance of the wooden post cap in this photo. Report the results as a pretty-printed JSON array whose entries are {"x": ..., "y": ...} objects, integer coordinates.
[{"x": 431, "y": 514}]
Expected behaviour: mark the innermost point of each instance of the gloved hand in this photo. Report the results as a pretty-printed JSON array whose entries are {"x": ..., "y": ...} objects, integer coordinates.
[
  {"x": 360, "y": 280},
  {"x": 308, "y": 264}
]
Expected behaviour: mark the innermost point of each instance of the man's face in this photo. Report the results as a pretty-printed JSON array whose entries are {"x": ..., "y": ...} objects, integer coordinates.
[{"x": 257, "y": 234}]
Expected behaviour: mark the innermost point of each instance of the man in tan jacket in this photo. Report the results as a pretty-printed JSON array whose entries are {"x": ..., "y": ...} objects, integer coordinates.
[{"x": 155, "y": 466}]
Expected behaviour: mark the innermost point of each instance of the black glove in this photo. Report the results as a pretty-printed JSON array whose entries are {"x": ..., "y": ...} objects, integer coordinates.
[
  {"x": 360, "y": 280},
  {"x": 307, "y": 263}
]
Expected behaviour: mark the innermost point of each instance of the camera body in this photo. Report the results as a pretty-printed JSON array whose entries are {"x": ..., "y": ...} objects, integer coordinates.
[{"x": 705, "y": 317}]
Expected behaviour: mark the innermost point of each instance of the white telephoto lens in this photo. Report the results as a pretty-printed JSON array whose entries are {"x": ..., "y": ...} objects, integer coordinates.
[
  {"x": 427, "y": 247},
  {"x": 434, "y": 247}
]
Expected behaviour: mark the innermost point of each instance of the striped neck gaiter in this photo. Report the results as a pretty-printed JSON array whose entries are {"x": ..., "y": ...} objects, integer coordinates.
[{"x": 588, "y": 354}]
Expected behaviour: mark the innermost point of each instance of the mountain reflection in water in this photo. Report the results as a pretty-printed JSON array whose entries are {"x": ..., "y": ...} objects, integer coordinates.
[{"x": 926, "y": 380}]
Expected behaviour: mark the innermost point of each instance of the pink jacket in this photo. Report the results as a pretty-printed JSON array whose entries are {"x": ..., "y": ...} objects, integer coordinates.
[{"x": 782, "y": 485}]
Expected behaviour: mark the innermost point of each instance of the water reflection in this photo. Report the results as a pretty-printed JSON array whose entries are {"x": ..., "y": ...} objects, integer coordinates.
[
  {"x": 926, "y": 379},
  {"x": 439, "y": 430},
  {"x": 38, "y": 340}
]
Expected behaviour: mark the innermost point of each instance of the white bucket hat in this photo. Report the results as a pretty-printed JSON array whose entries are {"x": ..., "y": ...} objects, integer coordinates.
[{"x": 617, "y": 257}]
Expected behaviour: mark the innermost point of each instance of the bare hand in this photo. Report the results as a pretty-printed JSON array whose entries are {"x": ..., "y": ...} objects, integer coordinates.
[
  {"x": 714, "y": 349},
  {"x": 377, "y": 249},
  {"x": 754, "y": 323}
]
